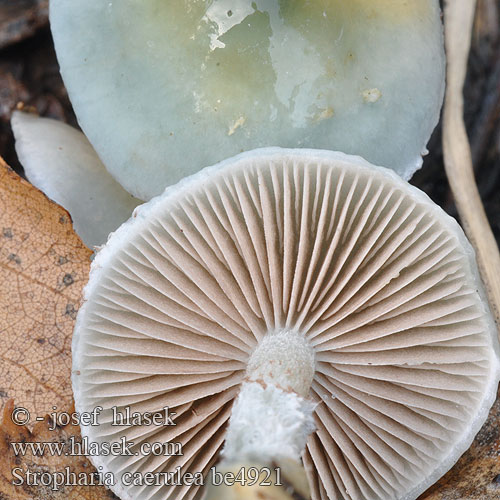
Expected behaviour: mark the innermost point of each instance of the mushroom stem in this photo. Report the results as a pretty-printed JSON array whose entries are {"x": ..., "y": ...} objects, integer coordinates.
[
  {"x": 271, "y": 418},
  {"x": 266, "y": 436},
  {"x": 281, "y": 480},
  {"x": 267, "y": 423}
]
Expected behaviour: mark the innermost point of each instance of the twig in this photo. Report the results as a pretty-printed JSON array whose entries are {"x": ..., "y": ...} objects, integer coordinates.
[{"x": 459, "y": 17}]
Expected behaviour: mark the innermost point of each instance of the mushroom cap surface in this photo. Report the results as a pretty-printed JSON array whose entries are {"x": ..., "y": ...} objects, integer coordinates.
[
  {"x": 382, "y": 284},
  {"x": 163, "y": 89}
]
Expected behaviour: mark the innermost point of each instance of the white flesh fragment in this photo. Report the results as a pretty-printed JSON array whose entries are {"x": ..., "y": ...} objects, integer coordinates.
[{"x": 60, "y": 161}]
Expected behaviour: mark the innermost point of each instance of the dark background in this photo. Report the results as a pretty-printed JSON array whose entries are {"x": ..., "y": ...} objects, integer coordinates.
[{"x": 29, "y": 73}]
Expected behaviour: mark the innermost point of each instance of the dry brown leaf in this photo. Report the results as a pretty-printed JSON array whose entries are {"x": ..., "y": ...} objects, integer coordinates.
[
  {"x": 43, "y": 467},
  {"x": 43, "y": 267},
  {"x": 476, "y": 476}
]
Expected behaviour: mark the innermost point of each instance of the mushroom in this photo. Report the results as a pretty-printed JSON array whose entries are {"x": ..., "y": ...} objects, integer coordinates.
[
  {"x": 286, "y": 305},
  {"x": 162, "y": 89},
  {"x": 60, "y": 161}
]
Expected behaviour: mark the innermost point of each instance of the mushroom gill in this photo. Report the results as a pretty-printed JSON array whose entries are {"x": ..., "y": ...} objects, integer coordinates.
[{"x": 374, "y": 278}]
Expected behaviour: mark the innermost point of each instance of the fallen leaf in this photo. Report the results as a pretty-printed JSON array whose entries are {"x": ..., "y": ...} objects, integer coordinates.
[
  {"x": 43, "y": 268},
  {"x": 476, "y": 476},
  {"x": 67, "y": 467}
]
